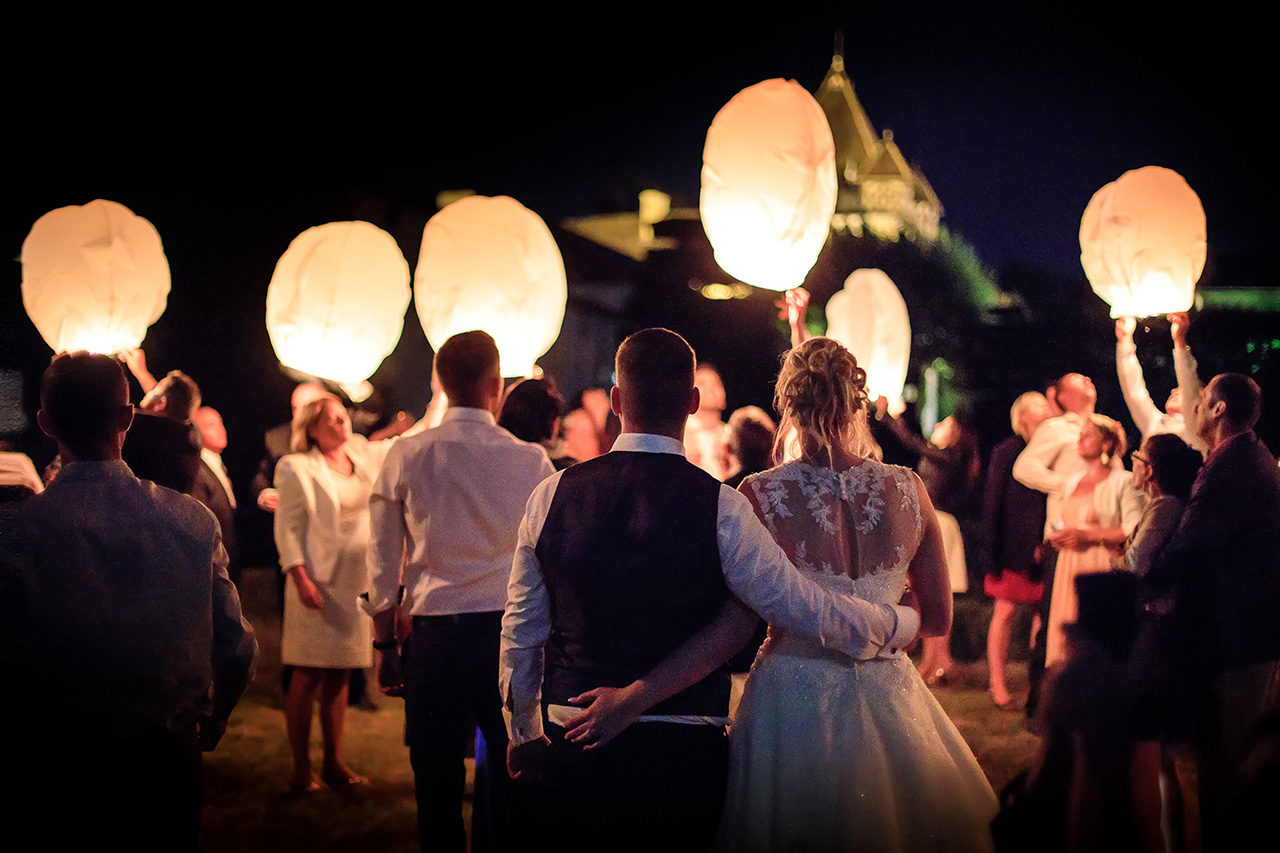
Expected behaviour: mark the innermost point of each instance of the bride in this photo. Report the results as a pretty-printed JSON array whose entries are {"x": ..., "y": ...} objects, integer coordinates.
[{"x": 828, "y": 753}]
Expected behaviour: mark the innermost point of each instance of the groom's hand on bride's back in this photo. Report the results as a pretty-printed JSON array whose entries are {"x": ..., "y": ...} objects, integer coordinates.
[{"x": 524, "y": 762}]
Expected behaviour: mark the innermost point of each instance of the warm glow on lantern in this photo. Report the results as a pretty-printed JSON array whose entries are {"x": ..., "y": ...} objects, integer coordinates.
[
  {"x": 336, "y": 303},
  {"x": 1142, "y": 243},
  {"x": 491, "y": 264},
  {"x": 869, "y": 316},
  {"x": 769, "y": 184},
  {"x": 94, "y": 277}
]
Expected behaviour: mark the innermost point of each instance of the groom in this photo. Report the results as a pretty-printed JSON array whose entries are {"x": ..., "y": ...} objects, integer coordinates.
[{"x": 620, "y": 561}]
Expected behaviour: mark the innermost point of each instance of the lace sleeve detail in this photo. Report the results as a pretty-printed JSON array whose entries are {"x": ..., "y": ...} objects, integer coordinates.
[
  {"x": 771, "y": 499},
  {"x": 909, "y": 497}
]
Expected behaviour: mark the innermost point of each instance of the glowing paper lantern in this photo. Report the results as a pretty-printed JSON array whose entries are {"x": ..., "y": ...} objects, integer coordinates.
[
  {"x": 869, "y": 316},
  {"x": 94, "y": 277},
  {"x": 491, "y": 264},
  {"x": 1142, "y": 243},
  {"x": 769, "y": 184},
  {"x": 336, "y": 302}
]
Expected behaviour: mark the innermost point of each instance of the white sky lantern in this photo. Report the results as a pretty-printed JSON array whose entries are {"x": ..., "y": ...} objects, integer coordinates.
[
  {"x": 769, "y": 184},
  {"x": 869, "y": 316},
  {"x": 1142, "y": 243},
  {"x": 491, "y": 264},
  {"x": 336, "y": 302},
  {"x": 94, "y": 277}
]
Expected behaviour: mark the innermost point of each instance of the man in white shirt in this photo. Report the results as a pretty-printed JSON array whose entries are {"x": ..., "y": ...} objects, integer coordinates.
[
  {"x": 1147, "y": 417},
  {"x": 1049, "y": 460},
  {"x": 620, "y": 561},
  {"x": 447, "y": 504}
]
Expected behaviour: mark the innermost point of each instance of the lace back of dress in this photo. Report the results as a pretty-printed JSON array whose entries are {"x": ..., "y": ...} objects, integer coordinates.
[{"x": 862, "y": 523}]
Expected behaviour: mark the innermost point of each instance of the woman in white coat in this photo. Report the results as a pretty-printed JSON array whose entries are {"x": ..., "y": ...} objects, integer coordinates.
[
  {"x": 322, "y": 533},
  {"x": 1100, "y": 510}
]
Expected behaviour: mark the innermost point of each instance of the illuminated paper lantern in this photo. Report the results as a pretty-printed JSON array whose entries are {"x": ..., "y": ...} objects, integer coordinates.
[
  {"x": 869, "y": 316},
  {"x": 491, "y": 264},
  {"x": 336, "y": 302},
  {"x": 769, "y": 184},
  {"x": 1142, "y": 243},
  {"x": 94, "y": 277}
]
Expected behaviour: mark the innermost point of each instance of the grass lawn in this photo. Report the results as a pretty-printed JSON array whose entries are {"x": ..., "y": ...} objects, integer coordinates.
[{"x": 247, "y": 807}]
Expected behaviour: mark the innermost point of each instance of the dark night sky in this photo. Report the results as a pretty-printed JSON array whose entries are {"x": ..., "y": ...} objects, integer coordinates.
[{"x": 232, "y": 138}]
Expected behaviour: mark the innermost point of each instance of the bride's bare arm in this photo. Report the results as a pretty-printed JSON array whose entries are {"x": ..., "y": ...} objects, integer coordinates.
[
  {"x": 608, "y": 711},
  {"x": 928, "y": 572}
]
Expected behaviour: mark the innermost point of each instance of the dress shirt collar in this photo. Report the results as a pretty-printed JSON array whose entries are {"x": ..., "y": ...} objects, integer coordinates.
[
  {"x": 644, "y": 442},
  {"x": 110, "y": 469},
  {"x": 467, "y": 413}
]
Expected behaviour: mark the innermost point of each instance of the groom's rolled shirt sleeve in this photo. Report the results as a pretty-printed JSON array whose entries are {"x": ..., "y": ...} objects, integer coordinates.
[
  {"x": 526, "y": 625},
  {"x": 758, "y": 572}
]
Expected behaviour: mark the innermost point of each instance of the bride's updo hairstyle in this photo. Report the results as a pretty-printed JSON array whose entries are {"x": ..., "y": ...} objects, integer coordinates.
[{"x": 821, "y": 393}]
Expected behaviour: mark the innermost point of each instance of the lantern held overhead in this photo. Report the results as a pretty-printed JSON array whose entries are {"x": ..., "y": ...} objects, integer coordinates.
[
  {"x": 336, "y": 302},
  {"x": 94, "y": 277},
  {"x": 1142, "y": 243},
  {"x": 491, "y": 264},
  {"x": 869, "y": 316},
  {"x": 769, "y": 184}
]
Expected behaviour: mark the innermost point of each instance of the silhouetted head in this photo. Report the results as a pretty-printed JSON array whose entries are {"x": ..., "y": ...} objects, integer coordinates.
[
  {"x": 468, "y": 367},
  {"x": 84, "y": 405}
]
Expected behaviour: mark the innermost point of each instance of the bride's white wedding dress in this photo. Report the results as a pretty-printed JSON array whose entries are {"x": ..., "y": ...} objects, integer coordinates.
[{"x": 831, "y": 754}]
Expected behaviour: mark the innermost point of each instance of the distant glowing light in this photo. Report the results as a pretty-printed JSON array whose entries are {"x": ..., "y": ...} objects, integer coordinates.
[
  {"x": 94, "y": 277},
  {"x": 1142, "y": 243},
  {"x": 768, "y": 184},
  {"x": 491, "y": 264},
  {"x": 337, "y": 300},
  {"x": 869, "y": 316}
]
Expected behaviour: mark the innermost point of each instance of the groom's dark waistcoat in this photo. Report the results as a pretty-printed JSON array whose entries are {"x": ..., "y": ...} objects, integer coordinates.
[{"x": 632, "y": 567}]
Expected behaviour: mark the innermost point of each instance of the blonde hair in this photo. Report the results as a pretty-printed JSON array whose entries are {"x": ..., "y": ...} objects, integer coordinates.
[
  {"x": 821, "y": 393},
  {"x": 1112, "y": 434},
  {"x": 1020, "y": 406},
  {"x": 304, "y": 419}
]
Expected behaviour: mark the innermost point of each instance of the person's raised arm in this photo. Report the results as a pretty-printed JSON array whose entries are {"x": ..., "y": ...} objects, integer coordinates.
[
  {"x": 792, "y": 308},
  {"x": 1146, "y": 415},
  {"x": 1185, "y": 368},
  {"x": 1034, "y": 466},
  {"x": 136, "y": 360}
]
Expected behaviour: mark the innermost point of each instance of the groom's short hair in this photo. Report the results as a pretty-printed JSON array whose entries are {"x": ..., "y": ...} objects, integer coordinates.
[
  {"x": 655, "y": 378},
  {"x": 464, "y": 364}
]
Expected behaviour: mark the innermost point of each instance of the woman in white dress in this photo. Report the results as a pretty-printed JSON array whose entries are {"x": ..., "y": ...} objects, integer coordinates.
[
  {"x": 828, "y": 753},
  {"x": 322, "y": 533}
]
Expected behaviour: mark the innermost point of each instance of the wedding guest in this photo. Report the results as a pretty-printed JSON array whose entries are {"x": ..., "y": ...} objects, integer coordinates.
[
  {"x": 445, "y": 511},
  {"x": 1164, "y": 468},
  {"x": 135, "y": 636},
  {"x": 322, "y": 534},
  {"x": 705, "y": 435},
  {"x": 1013, "y": 523},
  {"x": 1100, "y": 510},
  {"x": 531, "y": 411},
  {"x": 751, "y": 438},
  {"x": 213, "y": 484},
  {"x": 163, "y": 445},
  {"x": 1222, "y": 565}
]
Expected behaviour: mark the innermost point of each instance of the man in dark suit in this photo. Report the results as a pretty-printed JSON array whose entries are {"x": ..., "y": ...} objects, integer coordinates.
[
  {"x": 1223, "y": 564},
  {"x": 213, "y": 487}
]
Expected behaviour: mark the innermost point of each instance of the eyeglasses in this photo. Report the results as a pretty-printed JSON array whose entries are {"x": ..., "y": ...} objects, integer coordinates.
[{"x": 1138, "y": 457}]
